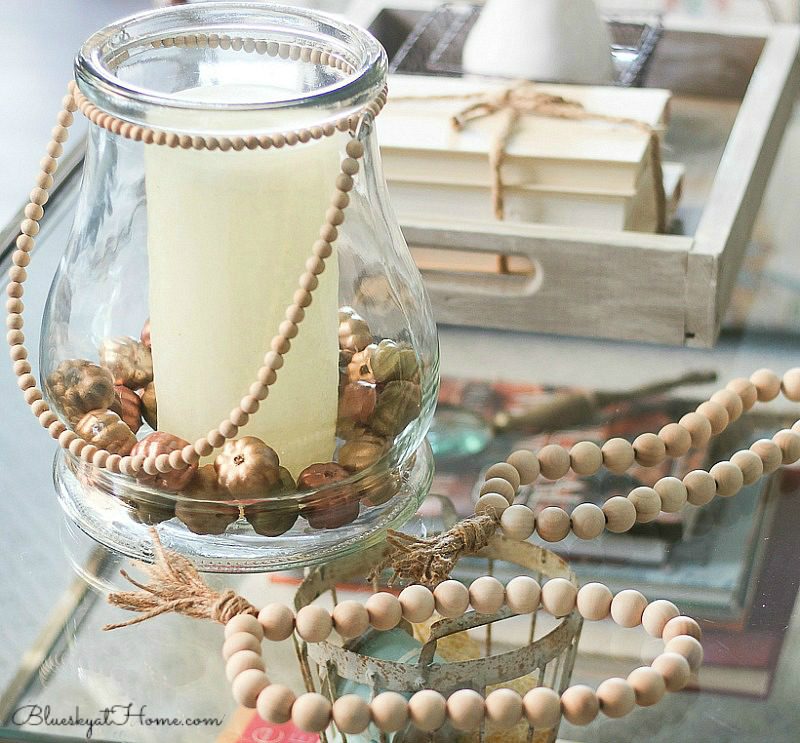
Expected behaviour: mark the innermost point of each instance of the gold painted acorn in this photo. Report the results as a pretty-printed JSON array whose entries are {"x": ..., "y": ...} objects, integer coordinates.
[
  {"x": 360, "y": 367},
  {"x": 398, "y": 404},
  {"x": 354, "y": 333},
  {"x": 380, "y": 488},
  {"x": 150, "y": 406},
  {"x": 275, "y": 517},
  {"x": 78, "y": 386},
  {"x": 333, "y": 506},
  {"x": 362, "y": 451},
  {"x": 356, "y": 402},
  {"x": 106, "y": 430},
  {"x": 129, "y": 361},
  {"x": 194, "y": 509},
  {"x": 247, "y": 467},
  {"x": 155, "y": 444},
  {"x": 392, "y": 361},
  {"x": 128, "y": 406}
]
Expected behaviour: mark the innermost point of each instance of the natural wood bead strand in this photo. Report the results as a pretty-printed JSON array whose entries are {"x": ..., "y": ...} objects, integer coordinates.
[
  {"x": 523, "y": 594},
  {"x": 731, "y": 402},
  {"x": 648, "y": 686},
  {"x": 504, "y": 471},
  {"x": 542, "y": 708},
  {"x": 586, "y": 458},
  {"x": 451, "y": 598},
  {"x": 552, "y": 524},
  {"x": 620, "y": 514},
  {"x": 486, "y": 594},
  {"x": 311, "y": 712},
  {"x": 717, "y": 416},
  {"x": 767, "y": 384},
  {"x": 750, "y": 464},
  {"x": 618, "y": 455},
  {"x": 554, "y": 462},
  {"x": 527, "y": 465},
  {"x": 616, "y": 697},
  {"x": 350, "y": 619},
  {"x": 789, "y": 443},
  {"x": 673, "y": 494},
  {"x": 588, "y": 521},
  {"x": 728, "y": 477},
  {"x": 384, "y": 610},
  {"x": 700, "y": 487},
  {"x": 466, "y": 710},
  {"x": 745, "y": 389},
  {"x": 503, "y": 708},
  {"x": 517, "y": 522},
  {"x": 647, "y": 503},
  {"x": 389, "y": 711},
  {"x": 677, "y": 440},
  {"x": 649, "y": 450},
  {"x": 594, "y": 601},
  {"x": 579, "y": 704},
  {"x": 770, "y": 454},
  {"x": 351, "y": 714},
  {"x": 790, "y": 384},
  {"x": 417, "y": 604},
  {"x": 427, "y": 710},
  {"x": 247, "y": 685},
  {"x": 674, "y": 669},
  {"x": 314, "y": 623},
  {"x": 496, "y": 504},
  {"x": 559, "y": 596},
  {"x": 501, "y": 486},
  {"x": 627, "y": 608}
]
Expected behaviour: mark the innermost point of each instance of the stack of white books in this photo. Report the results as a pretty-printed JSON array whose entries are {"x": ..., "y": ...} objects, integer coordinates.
[{"x": 591, "y": 172}]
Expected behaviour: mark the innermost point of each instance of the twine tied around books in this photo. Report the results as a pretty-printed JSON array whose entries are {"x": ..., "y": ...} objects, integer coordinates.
[
  {"x": 176, "y": 586},
  {"x": 524, "y": 98},
  {"x": 430, "y": 561}
]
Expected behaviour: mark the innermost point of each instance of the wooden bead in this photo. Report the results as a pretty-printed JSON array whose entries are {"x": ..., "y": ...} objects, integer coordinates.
[
  {"x": 427, "y": 710},
  {"x": 699, "y": 428},
  {"x": 594, "y": 601},
  {"x": 277, "y": 622},
  {"x": 451, "y": 598},
  {"x": 466, "y": 710},
  {"x": 681, "y": 626},
  {"x": 523, "y": 594},
  {"x": 588, "y": 521},
  {"x": 553, "y": 524},
  {"x": 656, "y": 615},
  {"x": 417, "y": 603},
  {"x": 313, "y": 623},
  {"x": 790, "y": 384},
  {"x": 648, "y": 686},
  {"x": 746, "y": 390},
  {"x": 243, "y": 661},
  {"x": 767, "y": 384},
  {"x": 389, "y": 711},
  {"x": 674, "y": 669},
  {"x": 649, "y": 450},
  {"x": 244, "y": 623},
  {"x": 579, "y": 704},
  {"x": 350, "y": 619},
  {"x": 770, "y": 454},
  {"x": 240, "y": 641},
  {"x": 517, "y": 522},
  {"x": 311, "y": 712},
  {"x": 486, "y": 594},
  {"x": 716, "y": 414},
  {"x": 789, "y": 443},
  {"x": 585, "y": 458},
  {"x": 728, "y": 477},
  {"x": 349, "y": 166},
  {"x": 616, "y": 697},
  {"x": 618, "y": 455},
  {"x": 689, "y": 647},
  {"x": 559, "y": 596},
  {"x": 354, "y": 149},
  {"x": 248, "y": 685},
  {"x": 647, "y": 503},
  {"x": 731, "y": 402},
  {"x": 672, "y": 493},
  {"x": 750, "y": 464},
  {"x": 504, "y": 471},
  {"x": 676, "y": 438},
  {"x": 274, "y": 704},
  {"x": 526, "y": 463},
  {"x": 503, "y": 708},
  {"x": 627, "y": 608},
  {"x": 384, "y": 610},
  {"x": 542, "y": 708},
  {"x": 498, "y": 485},
  {"x": 620, "y": 514},
  {"x": 554, "y": 462},
  {"x": 701, "y": 487},
  {"x": 351, "y": 714}
]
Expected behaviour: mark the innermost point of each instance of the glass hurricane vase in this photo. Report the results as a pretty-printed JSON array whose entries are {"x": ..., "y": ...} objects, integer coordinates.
[{"x": 180, "y": 269}]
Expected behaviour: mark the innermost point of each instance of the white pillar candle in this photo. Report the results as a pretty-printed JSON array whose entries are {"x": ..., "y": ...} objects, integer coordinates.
[{"x": 228, "y": 237}]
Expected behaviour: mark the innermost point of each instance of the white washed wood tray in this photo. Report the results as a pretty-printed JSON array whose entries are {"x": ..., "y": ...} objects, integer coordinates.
[{"x": 733, "y": 95}]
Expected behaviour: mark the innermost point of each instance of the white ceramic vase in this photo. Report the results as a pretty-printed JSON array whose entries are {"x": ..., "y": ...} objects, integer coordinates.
[{"x": 548, "y": 40}]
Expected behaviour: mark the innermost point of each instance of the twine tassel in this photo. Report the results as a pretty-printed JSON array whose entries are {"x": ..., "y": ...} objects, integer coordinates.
[{"x": 175, "y": 586}]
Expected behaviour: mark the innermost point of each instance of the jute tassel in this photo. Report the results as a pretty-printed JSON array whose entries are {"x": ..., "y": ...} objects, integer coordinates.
[
  {"x": 430, "y": 561},
  {"x": 175, "y": 586}
]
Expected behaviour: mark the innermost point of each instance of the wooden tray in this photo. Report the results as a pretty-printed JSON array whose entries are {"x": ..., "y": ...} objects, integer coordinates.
[{"x": 733, "y": 95}]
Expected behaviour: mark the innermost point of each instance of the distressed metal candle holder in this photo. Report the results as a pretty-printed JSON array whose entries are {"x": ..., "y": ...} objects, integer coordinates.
[
  {"x": 197, "y": 277},
  {"x": 542, "y": 659}
]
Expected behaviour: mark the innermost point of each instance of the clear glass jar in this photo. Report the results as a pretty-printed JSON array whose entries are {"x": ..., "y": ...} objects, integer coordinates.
[{"x": 204, "y": 248}]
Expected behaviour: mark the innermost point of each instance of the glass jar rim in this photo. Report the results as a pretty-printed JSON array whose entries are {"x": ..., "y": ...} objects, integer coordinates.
[{"x": 97, "y": 78}]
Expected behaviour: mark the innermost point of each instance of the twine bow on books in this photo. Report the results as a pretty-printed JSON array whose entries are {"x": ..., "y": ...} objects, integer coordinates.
[{"x": 527, "y": 99}]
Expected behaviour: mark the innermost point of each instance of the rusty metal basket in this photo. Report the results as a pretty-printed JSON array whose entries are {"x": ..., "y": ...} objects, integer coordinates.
[{"x": 541, "y": 658}]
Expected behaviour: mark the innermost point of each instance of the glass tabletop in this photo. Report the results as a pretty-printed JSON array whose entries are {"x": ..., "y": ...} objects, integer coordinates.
[{"x": 63, "y": 677}]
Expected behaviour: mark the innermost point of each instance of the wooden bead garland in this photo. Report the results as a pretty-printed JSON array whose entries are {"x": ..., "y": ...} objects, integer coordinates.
[{"x": 465, "y": 709}]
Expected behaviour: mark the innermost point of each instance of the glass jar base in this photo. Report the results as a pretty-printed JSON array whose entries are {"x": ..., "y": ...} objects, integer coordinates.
[{"x": 110, "y": 521}]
